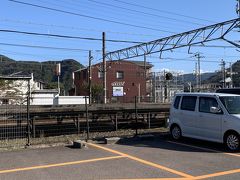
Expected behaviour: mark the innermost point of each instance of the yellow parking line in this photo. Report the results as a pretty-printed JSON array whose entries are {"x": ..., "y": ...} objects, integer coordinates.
[
  {"x": 157, "y": 179},
  {"x": 205, "y": 149},
  {"x": 143, "y": 161},
  {"x": 58, "y": 164},
  {"x": 218, "y": 174}
]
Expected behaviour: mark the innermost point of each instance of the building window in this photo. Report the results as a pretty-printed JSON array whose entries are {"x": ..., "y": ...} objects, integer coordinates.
[
  {"x": 140, "y": 74},
  {"x": 119, "y": 75},
  {"x": 5, "y": 101},
  {"x": 78, "y": 75},
  {"x": 84, "y": 74},
  {"x": 100, "y": 74}
]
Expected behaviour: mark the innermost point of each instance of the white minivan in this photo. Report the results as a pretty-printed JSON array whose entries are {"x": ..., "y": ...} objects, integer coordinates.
[{"x": 207, "y": 116}]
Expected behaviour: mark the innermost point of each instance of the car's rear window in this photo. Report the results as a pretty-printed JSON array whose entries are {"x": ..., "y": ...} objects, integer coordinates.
[
  {"x": 176, "y": 102},
  {"x": 188, "y": 103}
]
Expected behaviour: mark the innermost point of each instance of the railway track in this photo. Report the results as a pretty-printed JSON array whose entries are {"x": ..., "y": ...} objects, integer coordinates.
[{"x": 72, "y": 119}]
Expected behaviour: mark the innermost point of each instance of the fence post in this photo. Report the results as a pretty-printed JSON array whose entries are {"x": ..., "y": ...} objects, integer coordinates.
[
  {"x": 86, "y": 108},
  {"x": 136, "y": 118},
  {"x": 116, "y": 122},
  {"x": 28, "y": 115},
  {"x": 78, "y": 125},
  {"x": 33, "y": 127},
  {"x": 149, "y": 120}
]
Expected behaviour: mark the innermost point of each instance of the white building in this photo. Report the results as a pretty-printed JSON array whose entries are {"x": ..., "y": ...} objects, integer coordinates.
[
  {"x": 16, "y": 89},
  {"x": 51, "y": 97}
]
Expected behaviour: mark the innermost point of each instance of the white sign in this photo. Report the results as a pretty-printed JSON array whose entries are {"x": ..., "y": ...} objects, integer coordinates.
[
  {"x": 58, "y": 69},
  {"x": 117, "y": 91},
  {"x": 118, "y": 84}
]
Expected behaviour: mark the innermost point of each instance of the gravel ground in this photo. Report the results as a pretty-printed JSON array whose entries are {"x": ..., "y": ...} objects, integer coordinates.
[{"x": 15, "y": 144}]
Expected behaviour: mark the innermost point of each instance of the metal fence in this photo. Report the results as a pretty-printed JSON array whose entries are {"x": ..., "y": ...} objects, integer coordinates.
[
  {"x": 81, "y": 121},
  {"x": 95, "y": 122},
  {"x": 13, "y": 121}
]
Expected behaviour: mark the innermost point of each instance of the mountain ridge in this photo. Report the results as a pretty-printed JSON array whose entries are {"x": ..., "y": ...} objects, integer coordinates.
[{"x": 42, "y": 71}]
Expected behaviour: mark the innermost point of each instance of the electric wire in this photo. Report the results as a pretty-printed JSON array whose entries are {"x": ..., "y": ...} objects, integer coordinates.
[
  {"x": 45, "y": 47},
  {"x": 145, "y": 13},
  {"x": 110, "y": 11},
  {"x": 98, "y": 39},
  {"x": 90, "y": 17},
  {"x": 72, "y": 27},
  {"x": 95, "y": 39},
  {"x": 32, "y": 55},
  {"x": 66, "y": 36},
  {"x": 164, "y": 11}
]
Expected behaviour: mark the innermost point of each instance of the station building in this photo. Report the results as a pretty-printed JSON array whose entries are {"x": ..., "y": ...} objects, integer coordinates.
[{"x": 125, "y": 80}]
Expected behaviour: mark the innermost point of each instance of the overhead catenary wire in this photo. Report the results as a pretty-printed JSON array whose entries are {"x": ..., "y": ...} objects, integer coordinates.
[
  {"x": 77, "y": 6},
  {"x": 145, "y": 13},
  {"x": 164, "y": 11},
  {"x": 165, "y": 60},
  {"x": 34, "y": 55},
  {"x": 67, "y": 36},
  {"x": 203, "y": 46},
  {"x": 185, "y": 59},
  {"x": 95, "y": 39},
  {"x": 106, "y": 11},
  {"x": 90, "y": 17},
  {"x": 73, "y": 27},
  {"x": 45, "y": 47}
]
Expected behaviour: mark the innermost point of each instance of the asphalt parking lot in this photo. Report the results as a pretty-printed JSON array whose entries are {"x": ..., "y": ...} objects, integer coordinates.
[{"x": 132, "y": 158}]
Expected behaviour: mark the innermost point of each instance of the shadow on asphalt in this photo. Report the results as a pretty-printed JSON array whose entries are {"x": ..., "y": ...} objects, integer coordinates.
[{"x": 164, "y": 141}]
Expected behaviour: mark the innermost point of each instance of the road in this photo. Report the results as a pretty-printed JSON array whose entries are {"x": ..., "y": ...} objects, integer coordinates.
[{"x": 133, "y": 158}]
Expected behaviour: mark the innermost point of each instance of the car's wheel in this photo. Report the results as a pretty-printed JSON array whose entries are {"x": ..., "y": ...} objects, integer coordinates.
[
  {"x": 232, "y": 141},
  {"x": 176, "y": 132}
]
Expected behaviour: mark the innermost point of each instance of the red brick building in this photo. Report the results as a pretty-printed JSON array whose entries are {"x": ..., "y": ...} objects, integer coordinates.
[{"x": 125, "y": 80}]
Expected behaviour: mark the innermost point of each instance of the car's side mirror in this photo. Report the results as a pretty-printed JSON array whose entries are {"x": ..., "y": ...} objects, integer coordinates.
[{"x": 215, "y": 110}]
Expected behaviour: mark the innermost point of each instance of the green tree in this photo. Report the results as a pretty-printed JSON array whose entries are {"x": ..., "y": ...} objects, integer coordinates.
[{"x": 97, "y": 90}]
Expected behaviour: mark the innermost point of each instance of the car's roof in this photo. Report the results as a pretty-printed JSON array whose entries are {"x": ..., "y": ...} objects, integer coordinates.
[{"x": 205, "y": 94}]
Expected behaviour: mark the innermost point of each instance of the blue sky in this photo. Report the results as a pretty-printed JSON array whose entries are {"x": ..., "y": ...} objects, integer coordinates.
[{"x": 160, "y": 19}]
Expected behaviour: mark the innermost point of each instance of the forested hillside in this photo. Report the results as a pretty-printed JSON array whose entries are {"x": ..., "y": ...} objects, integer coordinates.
[
  {"x": 217, "y": 78},
  {"x": 43, "y": 71}
]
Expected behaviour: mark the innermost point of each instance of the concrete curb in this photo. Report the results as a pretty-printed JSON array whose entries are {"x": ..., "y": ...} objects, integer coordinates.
[{"x": 79, "y": 144}]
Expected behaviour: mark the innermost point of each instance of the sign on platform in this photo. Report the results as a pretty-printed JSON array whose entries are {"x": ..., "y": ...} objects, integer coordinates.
[{"x": 118, "y": 91}]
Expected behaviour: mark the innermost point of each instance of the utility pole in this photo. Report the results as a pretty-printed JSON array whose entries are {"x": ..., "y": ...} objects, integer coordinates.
[
  {"x": 90, "y": 76},
  {"x": 238, "y": 11},
  {"x": 231, "y": 73},
  {"x": 190, "y": 86},
  {"x": 196, "y": 76},
  {"x": 165, "y": 86},
  {"x": 104, "y": 70},
  {"x": 145, "y": 68},
  {"x": 198, "y": 71},
  {"x": 58, "y": 73},
  {"x": 238, "y": 8},
  {"x": 155, "y": 84},
  {"x": 223, "y": 73}
]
